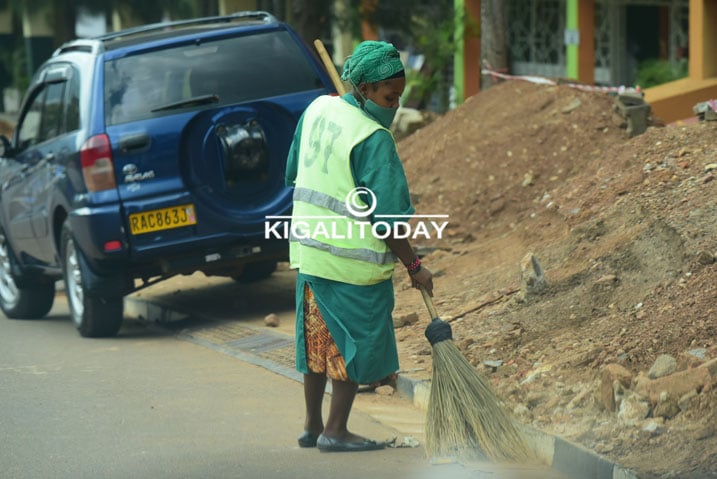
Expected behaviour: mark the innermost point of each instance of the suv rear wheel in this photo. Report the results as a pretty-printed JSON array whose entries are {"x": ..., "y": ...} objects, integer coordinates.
[
  {"x": 31, "y": 301},
  {"x": 94, "y": 316}
]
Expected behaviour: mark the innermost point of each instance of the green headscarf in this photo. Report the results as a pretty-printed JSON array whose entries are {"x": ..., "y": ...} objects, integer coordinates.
[{"x": 372, "y": 61}]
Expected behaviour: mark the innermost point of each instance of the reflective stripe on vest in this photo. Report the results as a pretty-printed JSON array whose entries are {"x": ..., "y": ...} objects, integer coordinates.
[
  {"x": 331, "y": 129},
  {"x": 361, "y": 254},
  {"x": 325, "y": 201}
]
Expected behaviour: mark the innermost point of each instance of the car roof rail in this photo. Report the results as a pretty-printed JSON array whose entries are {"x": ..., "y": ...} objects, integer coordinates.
[{"x": 266, "y": 17}]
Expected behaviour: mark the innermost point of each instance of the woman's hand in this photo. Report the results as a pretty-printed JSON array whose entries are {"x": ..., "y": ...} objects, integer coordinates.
[{"x": 424, "y": 278}]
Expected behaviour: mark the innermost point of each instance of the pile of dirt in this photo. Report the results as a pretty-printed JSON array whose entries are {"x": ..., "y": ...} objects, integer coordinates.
[{"x": 624, "y": 231}]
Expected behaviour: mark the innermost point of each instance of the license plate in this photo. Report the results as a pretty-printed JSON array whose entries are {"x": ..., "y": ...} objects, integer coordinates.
[{"x": 163, "y": 219}]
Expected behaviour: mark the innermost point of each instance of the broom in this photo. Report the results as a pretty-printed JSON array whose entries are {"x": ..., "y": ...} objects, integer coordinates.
[{"x": 465, "y": 418}]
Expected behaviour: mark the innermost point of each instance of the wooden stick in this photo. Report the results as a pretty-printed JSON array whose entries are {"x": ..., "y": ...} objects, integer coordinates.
[
  {"x": 330, "y": 67},
  {"x": 485, "y": 303},
  {"x": 429, "y": 303}
]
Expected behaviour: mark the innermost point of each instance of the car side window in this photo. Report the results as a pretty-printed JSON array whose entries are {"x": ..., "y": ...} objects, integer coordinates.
[
  {"x": 29, "y": 129},
  {"x": 51, "y": 124},
  {"x": 72, "y": 104},
  {"x": 53, "y": 111}
]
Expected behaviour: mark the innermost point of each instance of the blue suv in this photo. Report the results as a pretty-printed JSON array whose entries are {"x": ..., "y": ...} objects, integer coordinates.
[{"x": 147, "y": 153}]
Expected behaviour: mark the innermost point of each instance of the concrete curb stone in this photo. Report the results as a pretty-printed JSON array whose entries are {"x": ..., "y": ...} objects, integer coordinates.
[{"x": 565, "y": 457}]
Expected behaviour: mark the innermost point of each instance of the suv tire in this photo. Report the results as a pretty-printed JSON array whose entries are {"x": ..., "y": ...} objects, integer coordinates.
[
  {"x": 94, "y": 316},
  {"x": 29, "y": 301}
]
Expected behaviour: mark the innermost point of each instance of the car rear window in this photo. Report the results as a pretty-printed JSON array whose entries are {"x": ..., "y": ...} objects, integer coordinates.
[{"x": 234, "y": 70}]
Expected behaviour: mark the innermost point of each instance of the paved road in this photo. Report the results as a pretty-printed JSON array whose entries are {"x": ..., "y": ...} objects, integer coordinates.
[{"x": 188, "y": 399}]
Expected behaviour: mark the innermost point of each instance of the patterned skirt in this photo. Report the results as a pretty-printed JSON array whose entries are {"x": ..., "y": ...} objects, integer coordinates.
[{"x": 322, "y": 355}]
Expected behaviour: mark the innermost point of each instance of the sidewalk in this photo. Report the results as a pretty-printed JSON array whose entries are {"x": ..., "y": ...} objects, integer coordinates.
[{"x": 273, "y": 349}]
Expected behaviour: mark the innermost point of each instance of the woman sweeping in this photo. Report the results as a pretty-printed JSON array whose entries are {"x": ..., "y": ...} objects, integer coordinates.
[{"x": 347, "y": 174}]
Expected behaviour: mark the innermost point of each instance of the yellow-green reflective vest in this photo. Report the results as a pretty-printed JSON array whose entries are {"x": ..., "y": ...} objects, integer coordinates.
[{"x": 329, "y": 235}]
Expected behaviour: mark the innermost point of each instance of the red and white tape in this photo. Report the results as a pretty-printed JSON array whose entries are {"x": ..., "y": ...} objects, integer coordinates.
[{"x": 548, "y": 81}]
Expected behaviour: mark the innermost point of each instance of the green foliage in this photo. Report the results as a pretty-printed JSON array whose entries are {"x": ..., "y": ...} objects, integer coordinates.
[
  {"x": 14, "y": 61},
  {"x": 417, "y": 89},
  {"x": 656, "y": 72},
  {"x": 19, "y": 68},
  {"x": 435, "y": 41},
  {"x": 424, "y": 27}
]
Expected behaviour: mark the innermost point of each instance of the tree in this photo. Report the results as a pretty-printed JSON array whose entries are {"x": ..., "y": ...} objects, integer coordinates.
[
  {"x": 310, "y": 18},
  {"x": 64, "y": 15},
  {"x": 425, "y": 27},
  {"x": 494, "y": 36}
]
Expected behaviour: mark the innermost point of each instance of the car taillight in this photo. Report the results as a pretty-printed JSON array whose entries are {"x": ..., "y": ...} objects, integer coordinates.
[{"x": 97, "y": 167}]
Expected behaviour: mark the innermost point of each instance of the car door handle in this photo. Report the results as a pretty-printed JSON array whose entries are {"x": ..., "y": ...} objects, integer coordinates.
[{"x": 135, "y": 141}]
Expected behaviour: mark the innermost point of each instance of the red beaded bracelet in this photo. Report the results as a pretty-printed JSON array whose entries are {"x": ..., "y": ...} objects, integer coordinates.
[{"x": 414, "y": 267}]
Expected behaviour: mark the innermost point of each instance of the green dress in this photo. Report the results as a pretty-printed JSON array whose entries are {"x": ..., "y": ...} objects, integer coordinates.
[{"x": 358, "y": 317}]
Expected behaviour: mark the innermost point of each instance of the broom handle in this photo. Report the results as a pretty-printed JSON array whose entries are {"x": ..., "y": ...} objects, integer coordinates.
[
  {"x": 429, "y": 302},
  {"x": 330, "y": 67}
]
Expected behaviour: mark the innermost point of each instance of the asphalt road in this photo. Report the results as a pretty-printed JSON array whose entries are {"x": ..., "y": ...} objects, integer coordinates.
[
  {"x": 149, "y": 404},
  {"x": 206, "y": 393}
]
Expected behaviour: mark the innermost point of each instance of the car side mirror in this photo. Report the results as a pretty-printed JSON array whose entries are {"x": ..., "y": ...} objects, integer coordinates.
[{"x": 5, "y": 146}]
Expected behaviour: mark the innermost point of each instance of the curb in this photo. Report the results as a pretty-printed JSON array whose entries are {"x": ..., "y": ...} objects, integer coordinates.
[{"x": 562, "y": 456}]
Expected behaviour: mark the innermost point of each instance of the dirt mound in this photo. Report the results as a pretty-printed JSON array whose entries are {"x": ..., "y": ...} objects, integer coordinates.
[
  {"x": 624, "y": 231},
  {"x": 499, "y": 152}
]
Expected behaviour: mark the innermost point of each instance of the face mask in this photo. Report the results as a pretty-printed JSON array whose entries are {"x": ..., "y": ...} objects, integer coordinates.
[{"x": 384, "y": 116}]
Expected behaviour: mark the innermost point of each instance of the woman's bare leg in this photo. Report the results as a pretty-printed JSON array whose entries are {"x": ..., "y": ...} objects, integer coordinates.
[
  {"x": 342, "y": 399},
  {"x": 314, "y": 388}
]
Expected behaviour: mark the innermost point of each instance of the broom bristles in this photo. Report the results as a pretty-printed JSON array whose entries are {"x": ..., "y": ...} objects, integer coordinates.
[{"x": 465, "y": 417}]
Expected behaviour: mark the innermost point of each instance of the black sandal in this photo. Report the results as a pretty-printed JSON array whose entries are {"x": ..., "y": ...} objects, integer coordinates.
[{"x": 308, "y": 439}]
